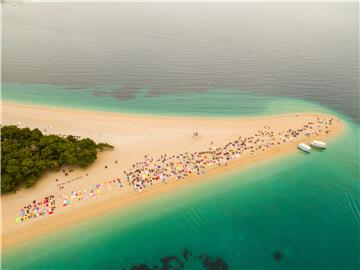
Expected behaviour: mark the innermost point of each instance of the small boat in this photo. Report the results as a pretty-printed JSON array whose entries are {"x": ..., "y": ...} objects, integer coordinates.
[
  {"x": 318, "y": 144},
  {"x": 304, "y": 147}
]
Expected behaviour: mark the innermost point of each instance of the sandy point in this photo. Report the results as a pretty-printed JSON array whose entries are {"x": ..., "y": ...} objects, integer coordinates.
[{"x": 133, "y": 137}]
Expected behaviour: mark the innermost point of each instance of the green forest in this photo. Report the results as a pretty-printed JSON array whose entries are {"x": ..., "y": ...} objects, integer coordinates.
[{"x": 26, "y": 154}]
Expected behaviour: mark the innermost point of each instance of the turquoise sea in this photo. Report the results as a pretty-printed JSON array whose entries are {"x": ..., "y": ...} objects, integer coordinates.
[
  {"x": 306, "y": 207},
  {"x": 239, "y": 59}
]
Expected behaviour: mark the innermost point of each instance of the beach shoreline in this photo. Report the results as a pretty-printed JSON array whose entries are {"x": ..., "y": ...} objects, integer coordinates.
[{"x": 159, "y": 132}]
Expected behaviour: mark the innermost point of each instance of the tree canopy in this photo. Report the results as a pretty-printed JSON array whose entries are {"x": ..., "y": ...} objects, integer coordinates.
[{"x": 26, "y": 154}]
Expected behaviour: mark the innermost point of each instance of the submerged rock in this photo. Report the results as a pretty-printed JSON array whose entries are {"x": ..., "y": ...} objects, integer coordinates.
[
  {"x": 214, "y": 264},
  {"x": 140, "y": 267},
  {"x": 277, "y": 255}
]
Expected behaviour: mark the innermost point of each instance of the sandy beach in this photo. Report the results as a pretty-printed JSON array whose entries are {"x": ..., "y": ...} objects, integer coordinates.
[{"x": 133, "y": 137}]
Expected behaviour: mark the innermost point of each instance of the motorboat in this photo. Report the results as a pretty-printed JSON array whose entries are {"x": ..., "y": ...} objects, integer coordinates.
[
  {"x": 304, "y": 147},
  {"x": 318, "y": 144}
]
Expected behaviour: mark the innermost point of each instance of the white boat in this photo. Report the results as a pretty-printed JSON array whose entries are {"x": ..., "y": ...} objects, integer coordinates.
[
  {"x": 318, "y": 144},
  {"x": 304, "y": 147}
]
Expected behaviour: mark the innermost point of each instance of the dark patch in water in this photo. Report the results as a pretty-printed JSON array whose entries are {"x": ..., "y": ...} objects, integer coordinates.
[
  {"x": 140, "y": 267},
  {"x": 117, "y": 94},
  {"x": 166, "y": 261},
  {"x": 213, "y": 264},
  {"x": 277, "y": 255},
  {"x": 186, "y": 254},
  {"x": 173, "y": 262}
]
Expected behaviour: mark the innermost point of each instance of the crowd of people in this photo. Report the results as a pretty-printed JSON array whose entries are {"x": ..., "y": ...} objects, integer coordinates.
[
  {"x": 83, "y": 194},
  {"x": 52, "y": 203},
  {"x": 36, "y": 209},
  {"x": 152, "y": 170}
]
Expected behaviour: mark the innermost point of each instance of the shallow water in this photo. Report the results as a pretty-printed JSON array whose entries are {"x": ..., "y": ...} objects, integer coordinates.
[
  {"x": 212, "y": 103},
  {"x": 306, "y": 207}
]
